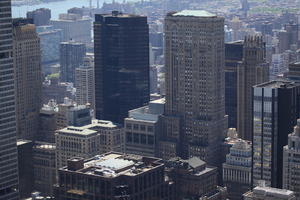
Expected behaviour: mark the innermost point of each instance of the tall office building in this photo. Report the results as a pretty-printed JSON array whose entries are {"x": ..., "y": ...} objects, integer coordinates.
[
  {"x": 237, "y": 169},
  {"x": 291, "y": 162},
  {"x": 8, "y": 144},
  {"x": 276, "y": 108},
  {"x": 194, "y": 123},
  {"x": 252, "y": 71},
  {"x": 85, "y": 82},
  {"x": 121, "y": 64},
  {"x": 27, "y": 61},
  {"x": 233, "y": 57},
  {"x": 71, "y": 56}
]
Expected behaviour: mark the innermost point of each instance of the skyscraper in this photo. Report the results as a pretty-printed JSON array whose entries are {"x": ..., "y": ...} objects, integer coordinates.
[
  {"x": 121, "y": 64},
  {"x": 71, "y": 56},
  {"x": 233, "y": 57},
  {"x": 40, "y": 16},
  {"x": 291, "y": 160},
  {"x": 252, "y": 71},
  {"x": 276, "y": 107},
  {"x": 85, "y": 82},
  {"x": 194, "y": 123},
  {"x": 8, "y": 143},
  {"x": 27, "y": 61}
]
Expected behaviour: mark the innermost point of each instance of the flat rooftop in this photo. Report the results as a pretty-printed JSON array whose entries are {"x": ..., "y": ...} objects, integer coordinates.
[
  {"x": 277, "y": 84},
  {"x": 194, "y": 13},
  {"x": 113, "y": 164},
  {"x": 269, "y": 191}
]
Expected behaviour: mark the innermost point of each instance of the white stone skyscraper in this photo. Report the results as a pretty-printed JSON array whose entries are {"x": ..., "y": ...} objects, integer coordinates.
[
  {"x": 8, "y": 146},
  {"x": 194, "y": 123},
  {"x": 291, "y": 162}
]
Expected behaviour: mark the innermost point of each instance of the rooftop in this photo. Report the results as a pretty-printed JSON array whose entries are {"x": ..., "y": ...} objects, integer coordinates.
[
  {"x": 194, "y": 13},
  {"x": 277, "y": 84},
  {"x": 269, "y": 191},
  {"x": 113, "y": 164}
]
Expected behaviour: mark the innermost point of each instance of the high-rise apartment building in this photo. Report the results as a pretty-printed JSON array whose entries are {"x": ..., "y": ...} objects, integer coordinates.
[
  {"x": 276, "y": 107},
  {"x": 40, "y": 16},
  {"x": 233, "y": 57},
  {"x": 85, "y": 82},
  {"x": 142, "y": 129},
  {"x": 237, "y": 169},
  {"x": 27, "y": 61},
  {"x": 291, "y": 162},
  {"x": 252, "y": 71},
  {"x": 71, "y": 56},
  {"x": 194, "y": 123},
  {"x": 8, "y": 142},
  {"x": 121, "y": 64}
]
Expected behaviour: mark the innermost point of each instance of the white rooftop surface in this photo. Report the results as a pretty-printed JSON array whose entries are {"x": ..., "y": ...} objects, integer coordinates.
[
  {"x": 194, "y": 13},
  {"x": 115, "y": 163},
  {"x": 77, "y": 130},
  {"x": 272, "y": 191}
]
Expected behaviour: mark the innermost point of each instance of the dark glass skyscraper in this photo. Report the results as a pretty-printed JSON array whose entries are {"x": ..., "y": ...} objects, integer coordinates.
[
  {"x": 8, "y": 146},
  {"x": 121, "y": 64},
  {"x": 233, "y": 57},
  {"x": 276, "y": 107}
]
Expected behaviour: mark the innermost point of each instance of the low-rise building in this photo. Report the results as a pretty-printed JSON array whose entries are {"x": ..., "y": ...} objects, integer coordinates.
[
  {"x": 269, "y": 193},
  {"x": 142, "y": 128}
]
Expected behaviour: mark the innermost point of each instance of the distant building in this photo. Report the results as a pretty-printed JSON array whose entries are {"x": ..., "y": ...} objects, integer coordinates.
[
  {"x": 114, "y": 176},
  {"x": 74, "y": 27},
  {"x": 142, "y": 129},
  {"x": 47, "y": 124},
  {"x": 252, "y": 71},
  {"x": 71, "y": 56},
  {"x": 40, "y": 16},
  {"x": 269, "y": 193},
  {"x": 28, "y": 74},
  {"x": 87, "y": 141},
  {"x": 294, "y": 71},
  {"x": 276, "y": 108},
  {"x": 54, "y": 90},
  {"x": 25, "y": 161},
  {"x": 292, "y": 30},
  {"x": 50, "y": 40},
  {"x": 237, "y": 169},
  {"x": 291, "y": 162},
  {"x": 44, "y": 167},
  {"x": 121, "y": 79},
  {"x": 233, "y": 58},
  {"x": 85, "y": 82},
  {"x": 194, "y": 179}
]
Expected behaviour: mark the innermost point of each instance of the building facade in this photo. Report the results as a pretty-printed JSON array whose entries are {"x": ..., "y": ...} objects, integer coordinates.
[
  {"x": 237, "y": 169},
  {"x": 71, "y": 56},
  {"x": 28, "y": 72},
  {"x": 114, "y": 176},
  {"x": 74, "y": 27},
  {"x": 142, "y": 129},
  {"x": 121, "y": 65},
  {"x": 275, "y": 113},
  {"x": 194, "y": 123},
  {"x": 44, "y": 167},
  {"x": 8, "y": 146},
  {"x": 233, "y": 58},
  {"x": 85, "y": 82},
  {"x": 87, "y": 141},
  {"x": 291, "y": 160},
  {"x": 252, "y": 71}
]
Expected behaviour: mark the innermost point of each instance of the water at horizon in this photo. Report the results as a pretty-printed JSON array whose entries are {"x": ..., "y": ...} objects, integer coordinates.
[{"x": 56, "y": 7}]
